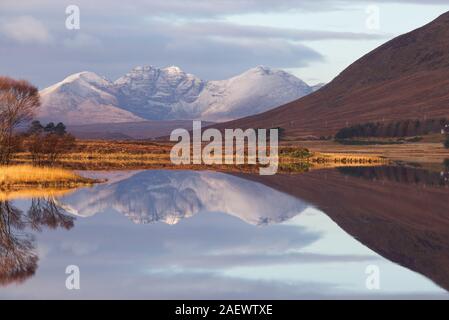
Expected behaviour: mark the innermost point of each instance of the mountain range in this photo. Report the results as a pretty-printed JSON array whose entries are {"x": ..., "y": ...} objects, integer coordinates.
[
  {"x": 405, "y": 78},
  {"x": 150, "y": 93}
]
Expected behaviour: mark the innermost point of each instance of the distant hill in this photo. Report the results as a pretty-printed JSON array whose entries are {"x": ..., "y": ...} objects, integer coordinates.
[
  {"x": 406, "y": 78},
  {"x": 129, "y": 130}
]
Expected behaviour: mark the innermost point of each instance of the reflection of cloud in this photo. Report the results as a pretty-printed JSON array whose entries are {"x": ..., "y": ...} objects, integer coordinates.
[
  {"x": 78, "y": 248},
  {"x": 26, "y": 29},
  {"x": 214, "y": 242},
  {"x": 207, "y": 285},
  {"x": 192, "y": 285},
  {"x": 159, "y": 262},
  {"x": 248, "y": 260},
  {"x": 43, "y": 250}
]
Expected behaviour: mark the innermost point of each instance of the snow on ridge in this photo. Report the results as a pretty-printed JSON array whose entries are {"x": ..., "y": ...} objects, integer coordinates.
[{"x": 169, "y": 93}]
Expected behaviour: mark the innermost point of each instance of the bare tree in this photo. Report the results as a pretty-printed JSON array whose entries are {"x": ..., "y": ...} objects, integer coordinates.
[{"x": 18, "y": 103}]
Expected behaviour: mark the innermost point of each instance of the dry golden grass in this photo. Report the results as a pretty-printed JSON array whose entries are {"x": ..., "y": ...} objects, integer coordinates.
[
  {"x": 133, "y": 155},
  {"x": 419, "y": 152},
  {"x": 19, "y": 176}
]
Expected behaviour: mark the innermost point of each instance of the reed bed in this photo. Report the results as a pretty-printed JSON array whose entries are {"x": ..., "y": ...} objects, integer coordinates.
[{"x": 17, "y": 176}]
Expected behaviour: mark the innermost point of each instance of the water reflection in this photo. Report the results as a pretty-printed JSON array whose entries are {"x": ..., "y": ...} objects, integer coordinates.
[
  {"x": 170, "y": 196},
  {"x": 18, "y": 259},
  {"x": 215, "y": 235},
  {"x": 401, "y": 213},
  {"x": 400, "y": 174}
]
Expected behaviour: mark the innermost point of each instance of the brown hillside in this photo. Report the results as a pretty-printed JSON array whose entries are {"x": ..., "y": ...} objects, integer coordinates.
[{"x": 406, "y": 78}]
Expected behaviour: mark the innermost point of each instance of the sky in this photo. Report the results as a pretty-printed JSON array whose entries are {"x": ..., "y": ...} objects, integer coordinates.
[{"x": 213, "y": 39}]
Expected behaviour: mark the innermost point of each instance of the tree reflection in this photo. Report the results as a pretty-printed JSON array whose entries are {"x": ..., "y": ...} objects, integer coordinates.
[
  {"x": 18, "y": 258},
  {"x": 400, "y": 174},
  {"x": 18, "y": 261},
  {"x": 46, "y": 212}
]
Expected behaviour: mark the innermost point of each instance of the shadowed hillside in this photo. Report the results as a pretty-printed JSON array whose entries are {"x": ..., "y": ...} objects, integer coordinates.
[{"x": 406, "y": 78}]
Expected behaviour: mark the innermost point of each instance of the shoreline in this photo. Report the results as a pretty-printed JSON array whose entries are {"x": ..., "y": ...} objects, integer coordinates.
[
  {"x": 22, "y": 177},
  {"x": 296, "y": 157}
]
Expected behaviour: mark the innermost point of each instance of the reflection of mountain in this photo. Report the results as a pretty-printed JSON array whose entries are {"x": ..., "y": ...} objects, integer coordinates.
[
  {"x": 404, "y": 220},
  {"x": 170, "y": 196}
]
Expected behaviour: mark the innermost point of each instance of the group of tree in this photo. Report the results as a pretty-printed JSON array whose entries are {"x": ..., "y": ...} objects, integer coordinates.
[
  {"x": 47, "y": 143},
  {"x": 19, "y": 101},
  {"x": 394, "y": 129}
]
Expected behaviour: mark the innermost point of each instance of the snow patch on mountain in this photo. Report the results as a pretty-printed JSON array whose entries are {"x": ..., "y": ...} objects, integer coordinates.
[
  {"x": 82, "y": 98},
  {"x": 255, "y": 91},
  {"x": 159, "y": 94}
]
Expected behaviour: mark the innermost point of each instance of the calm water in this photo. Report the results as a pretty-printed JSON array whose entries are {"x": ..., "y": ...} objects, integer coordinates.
[{"x": 188, "y": 235}]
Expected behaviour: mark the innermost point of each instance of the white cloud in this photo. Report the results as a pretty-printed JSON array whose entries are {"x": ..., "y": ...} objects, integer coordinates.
[
  {"x": 80, "y": 41},
  {"x": 26, "y": 29}
]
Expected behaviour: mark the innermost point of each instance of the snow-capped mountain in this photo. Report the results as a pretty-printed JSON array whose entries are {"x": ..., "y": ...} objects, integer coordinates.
[
  {"x": 168, "y": 94},
  {"x": 254, "y": 91},
  {"x": 159, "y": 94},
  {"x": 82, "y": 98},
  {"x": 170, "y": 196}
]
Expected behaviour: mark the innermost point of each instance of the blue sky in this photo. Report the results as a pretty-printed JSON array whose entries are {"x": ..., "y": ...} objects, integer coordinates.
[{"x": 213, "y": 39}]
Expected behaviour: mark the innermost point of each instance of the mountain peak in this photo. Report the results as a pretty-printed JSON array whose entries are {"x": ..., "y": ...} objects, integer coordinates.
[
  {"x": 144, "y": 68},
  {"x": 149, "y": 68},
  {"x": 264, "y": 71},
  {"x": 84, "y": 79},
  {"x": 173, "y": 69},
  {"x": 261, "y": 70},
  {"x": 82, "y": 98},
  {"x": 87, "y": 76}
]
